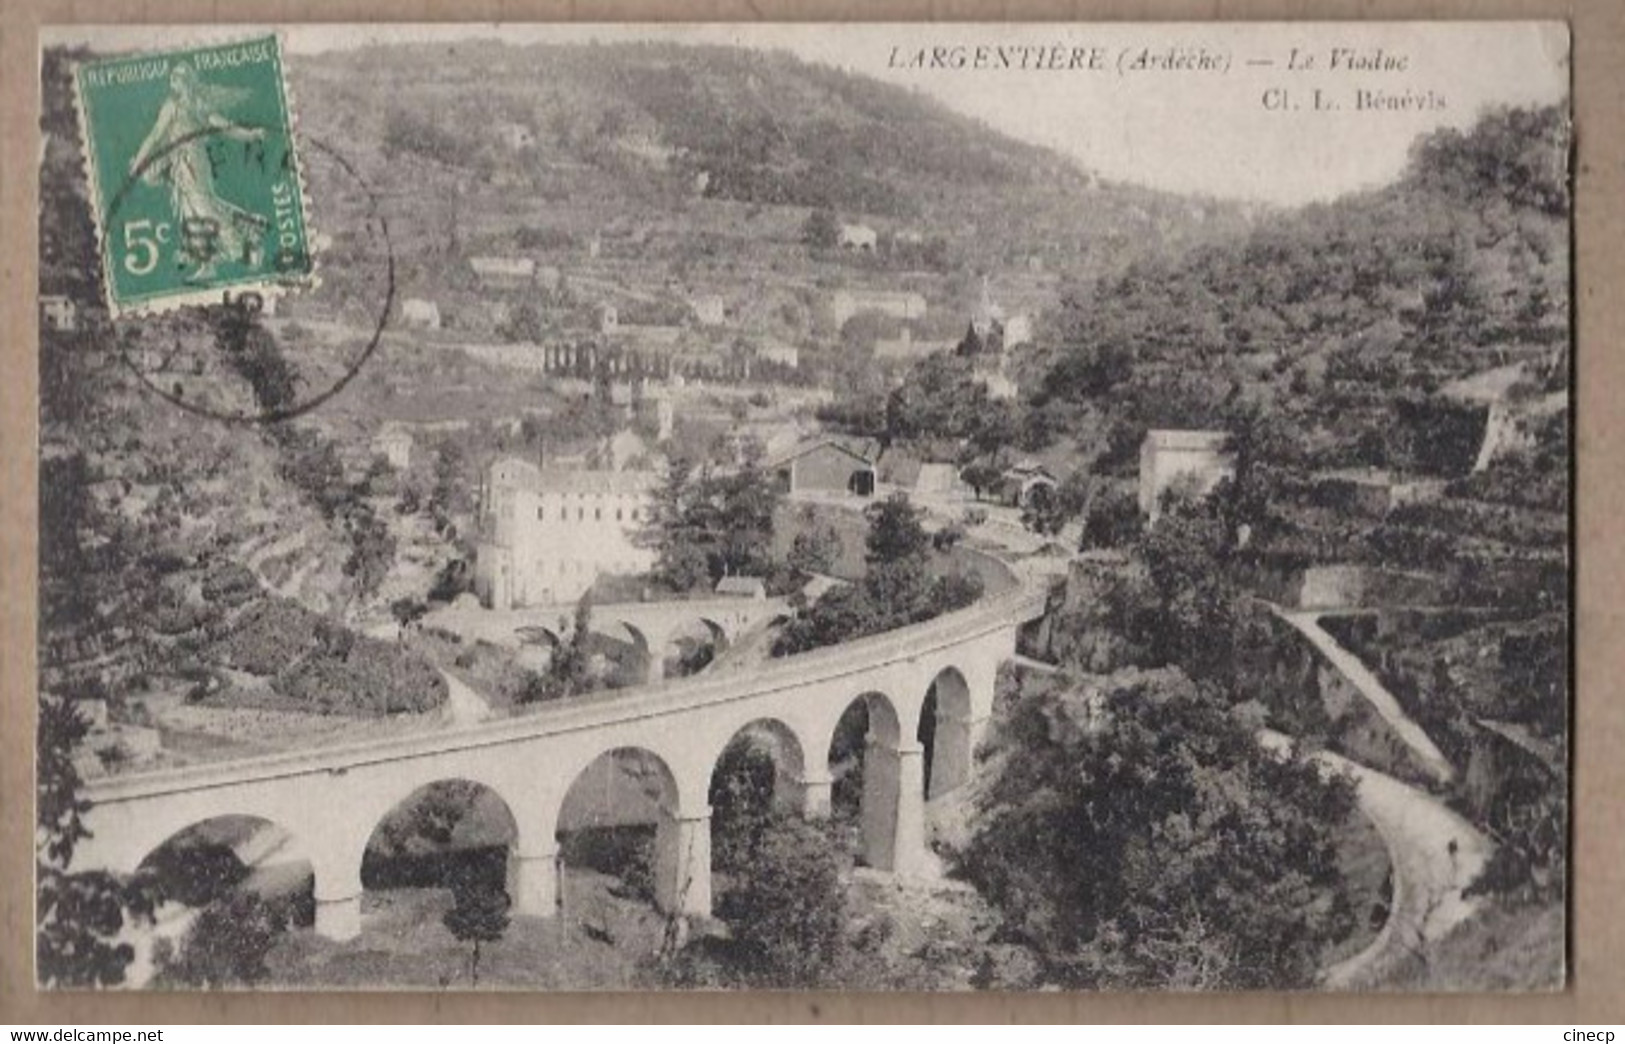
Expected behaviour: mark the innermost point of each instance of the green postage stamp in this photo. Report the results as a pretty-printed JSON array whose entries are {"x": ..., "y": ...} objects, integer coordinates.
[{"x": 194, "y": 177}]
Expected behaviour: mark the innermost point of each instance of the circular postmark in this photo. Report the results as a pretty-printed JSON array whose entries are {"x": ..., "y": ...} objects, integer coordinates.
[{"x": 188, "y": 356}]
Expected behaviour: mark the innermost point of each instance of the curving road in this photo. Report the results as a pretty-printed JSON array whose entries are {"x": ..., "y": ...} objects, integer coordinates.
[{"x": 1434, "y": 853}]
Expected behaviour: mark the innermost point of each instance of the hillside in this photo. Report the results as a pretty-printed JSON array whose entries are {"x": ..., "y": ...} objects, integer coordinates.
[
  {"x": 1341, "y": 320},
  {"x": 678, "y": 151}
]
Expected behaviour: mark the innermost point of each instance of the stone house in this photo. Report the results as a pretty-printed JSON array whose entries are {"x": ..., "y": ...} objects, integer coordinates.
[
  {"x": 1199, "y": 460},
  {"x": 825, "y": 465}
]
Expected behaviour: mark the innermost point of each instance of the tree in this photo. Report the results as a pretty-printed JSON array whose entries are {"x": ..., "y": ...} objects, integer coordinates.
[
  {"x": 310, "y": 462},
  {"x": 479, "y": 914},
  {"x": 1112, "y": 518},
  {"x": 671, "y": 531},
  {"x": 896, "y": 533},
  {"x": 225, "y": 946},
  {"x": 77, "y": 915},
  {"x": 821, "y": 231},
  {"x": 569, "y": 672},
  {"x": 408, "y": 611},
  {"x": 524, "y": 325},
  {"x": 897, "y": 588},
  {"x": 447, "y": 495},
  {"x": 1136, "y": 836},
  {"x": 941, "y": 399},
  {"x": 816, "y": 549},
  {"x": 379, "y": 478},
  {"x": 706, "y": 526},
  {"x": 782, "y": 898},
  {"x": 88, "y": 595},
  {"x": 787, "y": 908},
  {"x": 981, "y": 476},
  {"x": 1049, "y": 509},
  {"x": 746, "y": 503},
  {"x": 372, "y": 550},
  {"x": 1189, "y": 556}
]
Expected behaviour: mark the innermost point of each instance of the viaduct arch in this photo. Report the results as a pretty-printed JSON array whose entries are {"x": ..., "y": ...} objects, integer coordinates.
[
  {"x": 330, "y": 800},
  {"x": 649, "y": 629}
]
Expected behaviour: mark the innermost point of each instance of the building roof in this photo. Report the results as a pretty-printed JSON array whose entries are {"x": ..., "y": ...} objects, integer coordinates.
[
  {"x": 1029, "y": 467},
  {"x": 750, "y": 586},
  {"x": 581, "y": 480},
  {"x": 1183, "y": 438},
  {"x": 862, "y": 451},
  {"x": 559, "y": 480}
]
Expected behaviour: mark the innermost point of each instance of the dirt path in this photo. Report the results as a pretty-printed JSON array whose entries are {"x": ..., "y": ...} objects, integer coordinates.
[{"x": 1434, "y": 852}]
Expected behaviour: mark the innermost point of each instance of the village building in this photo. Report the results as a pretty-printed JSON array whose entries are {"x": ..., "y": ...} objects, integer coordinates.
[
  {"x": 58, "y": 312},
  {"x": 395, "y": 446},
  {"x": 779, "y": 352},
  {"x": 998, "y": 330},
  {"x": 1018, "y": 330},
  {"x": 1194, "y": 460},
  {"x": 858, "y": 237},
  {"x": 824, "y": 465},
  {"x": 1023, "y": 482},
  {"x": 742, "y": 587},
  {"x": 508, "y": 270},
  {"x": 709, "y": 309},
  {"x": 899, "y": 304},
  {"x": 547, "y": 535},
  {"x": 419, "y": 314},
  {"x": 515, "y": 136}
]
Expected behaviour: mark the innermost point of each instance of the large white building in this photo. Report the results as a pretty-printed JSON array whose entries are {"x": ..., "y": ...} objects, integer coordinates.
[
  {"x": 1195, "y": 460},
  {"x": 547, "y": 534}
]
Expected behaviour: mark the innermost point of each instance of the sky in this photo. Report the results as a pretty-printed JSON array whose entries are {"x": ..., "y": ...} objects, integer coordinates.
[{"x": 1251, "y": 132}]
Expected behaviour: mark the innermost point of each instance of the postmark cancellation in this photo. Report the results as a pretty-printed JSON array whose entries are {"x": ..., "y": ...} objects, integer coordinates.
[{"x": 193, "y": 174}]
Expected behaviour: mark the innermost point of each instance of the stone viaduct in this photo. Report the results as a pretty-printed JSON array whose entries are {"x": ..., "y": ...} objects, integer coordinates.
[
  {"x": 650, "y": 628},
  {"x": 329, "y": 800}
]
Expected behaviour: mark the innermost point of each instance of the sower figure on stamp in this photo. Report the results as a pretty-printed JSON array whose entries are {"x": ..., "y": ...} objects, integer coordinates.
[{"x": 177, "y": 150}]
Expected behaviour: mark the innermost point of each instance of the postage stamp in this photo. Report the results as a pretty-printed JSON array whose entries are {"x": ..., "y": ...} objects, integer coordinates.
[{"x": 193, "y": 173}]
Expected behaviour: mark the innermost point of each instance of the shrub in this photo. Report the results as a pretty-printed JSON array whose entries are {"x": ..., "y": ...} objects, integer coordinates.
[
  {"x": 230, "y": 584},
  {"x": 270, "y": 636},
  {"x": 226, "y": 945},
  {"x": 371, "y": 678},
  {"x": 1134, "y": 833},
  {"x": 784, "y": 906}
]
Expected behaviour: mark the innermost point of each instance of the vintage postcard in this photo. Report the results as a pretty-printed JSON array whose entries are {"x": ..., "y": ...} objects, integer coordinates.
[{"x": 923, "y": 507}]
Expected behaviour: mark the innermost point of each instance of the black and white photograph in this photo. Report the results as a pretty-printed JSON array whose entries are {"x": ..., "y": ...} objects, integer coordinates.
[{"x": 900, "y": 507}]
